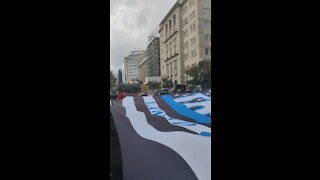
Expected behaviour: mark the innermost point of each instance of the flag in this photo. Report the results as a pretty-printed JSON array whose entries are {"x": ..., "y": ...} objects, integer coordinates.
[{"x": 164, "y": 137}]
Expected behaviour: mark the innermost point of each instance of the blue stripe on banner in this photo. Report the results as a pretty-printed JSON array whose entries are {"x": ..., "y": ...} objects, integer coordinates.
[{"x": 184, "y": 111}]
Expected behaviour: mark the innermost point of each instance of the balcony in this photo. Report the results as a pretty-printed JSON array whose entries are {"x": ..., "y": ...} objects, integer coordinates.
[
  {"x": 171, "y": 57},
  {"x": 170, "y": 36}
]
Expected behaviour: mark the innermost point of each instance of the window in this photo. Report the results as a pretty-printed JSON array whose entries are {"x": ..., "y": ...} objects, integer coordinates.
[
  {"x": 175, "y": 68},
  {"x": 185, "y": 21},
  {"x": 206, "y": 12},
  {"x": 170, "y": 27},
  {"x": 191, "y": 3},
  {"x": 193, "y": 28},
  {"x": 193, "y": 40},
  {"x": 187, "y": 32},
  {"x": 166, "y": 30},
  {"x": 184, "y": 9},
  {"x": 170, "y": 47},
  {"x": 206, "y": 51},
  {"x": 206, "y": 23},
  {"x": 167, "y": 69},
  {"x": 192, "y": 15},
  {"x": 206, "y": 37},
  {"x": 174, "y": 22},
  {"x": 193, "y": 53},
  {"x": 174, "y": 49},
  {"x": 167, "y": 51},
  {"x": 171, "y": 71}
]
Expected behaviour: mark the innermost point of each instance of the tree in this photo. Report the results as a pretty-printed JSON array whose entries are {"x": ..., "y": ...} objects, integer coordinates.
[
  {"x": 112, "y": 79},
  {"x": 194, "y": 72},
  {"x": 166, "y": 82},
  {"x": 205, "y": 69},
  {"x": 154, "y": 85},
  {"x": 200, "y": 74}
]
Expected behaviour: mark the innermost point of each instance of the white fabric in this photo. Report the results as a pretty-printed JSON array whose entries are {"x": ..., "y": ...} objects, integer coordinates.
[{"x": 194, "y": 149}]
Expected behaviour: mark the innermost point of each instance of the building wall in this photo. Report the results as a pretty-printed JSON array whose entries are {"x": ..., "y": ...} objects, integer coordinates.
[
  {"x": 143, "y": 66},
  {"x": 197, "y": 36},
  {"x": 123, "y": 73},
  {"x": 170, "y": 45},
  {"x": 119, "y": 76},
  {"x": 153, "y": 53},
  {"x": 193, "y": 38},
  {"x": 204, "y": 32},
  {"x": 131, "y": 66}
]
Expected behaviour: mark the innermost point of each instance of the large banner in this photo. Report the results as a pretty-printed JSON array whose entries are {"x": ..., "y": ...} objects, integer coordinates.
[{"x": 164, "y": 137}]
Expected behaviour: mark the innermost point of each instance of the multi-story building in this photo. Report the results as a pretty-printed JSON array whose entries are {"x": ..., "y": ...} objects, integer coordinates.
[
  {"x": 119, "y": 77},
  {"x": 153, "y": 53},
  {"x": 171, "y": 62},
  {"x": 131, "y": 66},
  {"x": 123, "y": 73},
  {"x": 143, "y": 66},
  {"x": 185, "y": 38},
  {"x": 149, "y": 62}
]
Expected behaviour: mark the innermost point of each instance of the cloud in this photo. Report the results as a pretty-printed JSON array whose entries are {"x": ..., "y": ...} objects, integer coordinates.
[{"x": 131, "y": 22}]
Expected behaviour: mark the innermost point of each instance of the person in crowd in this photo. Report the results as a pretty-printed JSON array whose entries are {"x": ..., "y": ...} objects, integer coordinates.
[{"x": 122, "y": 94}]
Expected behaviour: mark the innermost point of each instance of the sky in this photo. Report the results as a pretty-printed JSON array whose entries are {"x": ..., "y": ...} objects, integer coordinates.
[{"x": 131, "y": 22}]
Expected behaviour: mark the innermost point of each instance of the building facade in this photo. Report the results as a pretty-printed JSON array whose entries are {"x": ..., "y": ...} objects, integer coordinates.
[
  {"x": 143, "y": 66},
  {"x": 119, "y": 77},
  {"x": 170, "y": 31},
  {"x": 131, "y": 66},
  {"x": 153, "y": 53},
  {"x": 185, "y": 38}
]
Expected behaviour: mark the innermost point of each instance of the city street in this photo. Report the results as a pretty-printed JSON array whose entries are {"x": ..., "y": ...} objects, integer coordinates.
[{"x": 160, "y": 74}]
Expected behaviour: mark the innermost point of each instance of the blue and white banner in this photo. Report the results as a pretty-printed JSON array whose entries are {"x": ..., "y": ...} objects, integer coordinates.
[{"x": 162, "y": 141}]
